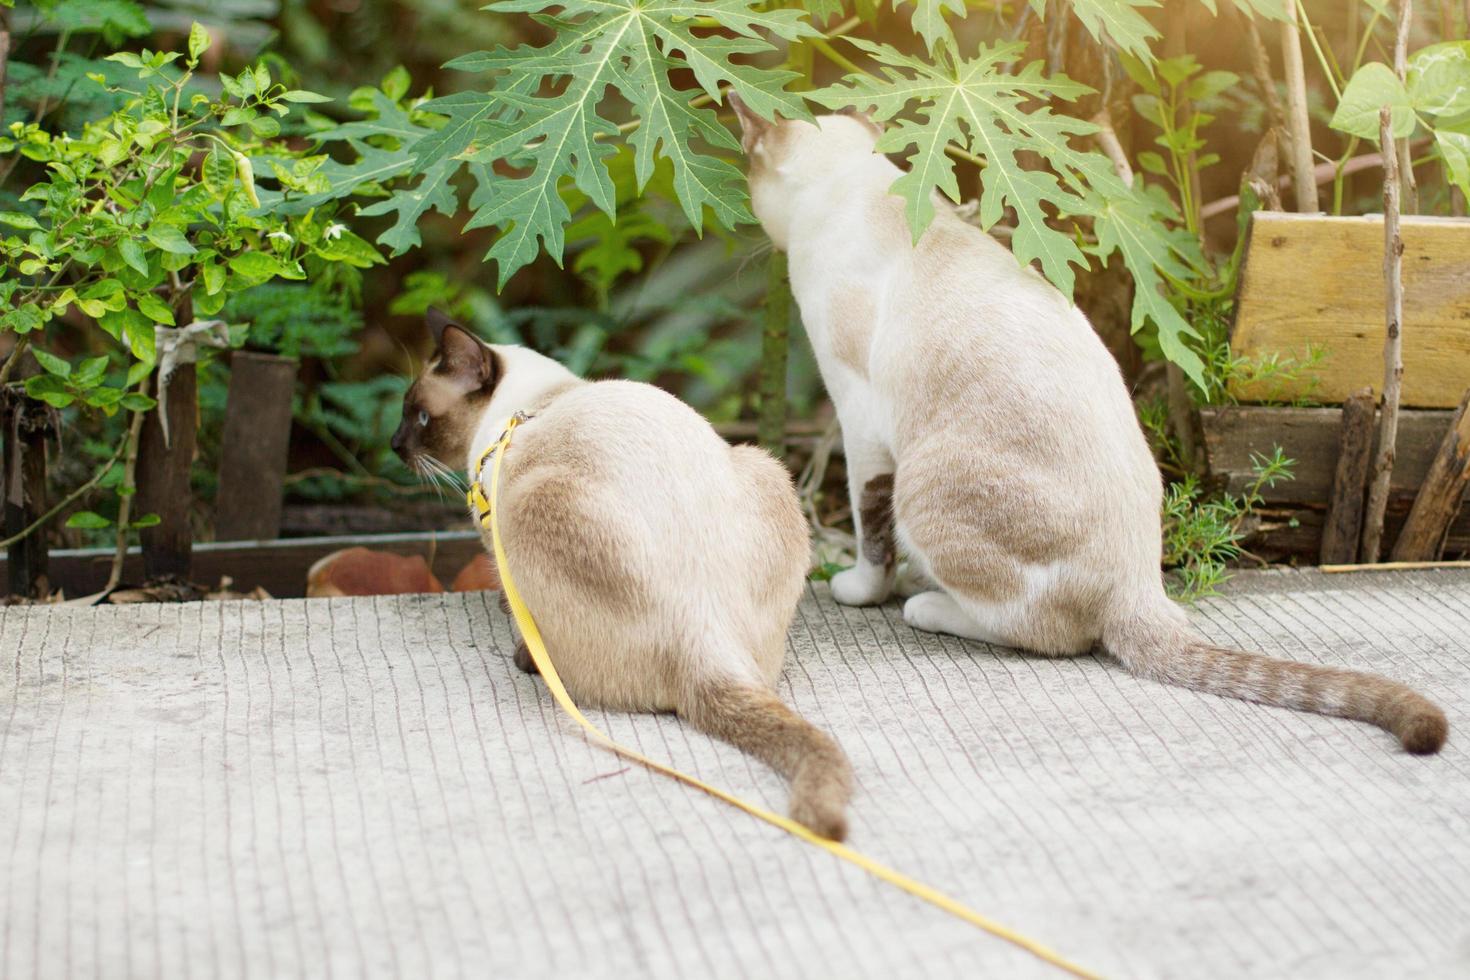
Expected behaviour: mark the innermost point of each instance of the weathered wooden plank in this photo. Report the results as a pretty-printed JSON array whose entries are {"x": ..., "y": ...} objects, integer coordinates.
[
  {"x": 1293, "y": 533},
  {"x": 1309, "y": 436},
  {"x": 254, "y": 445},
  {"x": 1345, "y": 510},
  {"x": 163, "y": 478},
  {"x": 1440, "y": 497},
  {"x": 279, "y": 567},
  {"x": 1314, "y": 279},
  {"x": 27, "y": 425}
]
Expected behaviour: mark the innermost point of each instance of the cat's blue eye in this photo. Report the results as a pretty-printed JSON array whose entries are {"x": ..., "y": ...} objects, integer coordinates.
[{"x": 423, "y": 417}]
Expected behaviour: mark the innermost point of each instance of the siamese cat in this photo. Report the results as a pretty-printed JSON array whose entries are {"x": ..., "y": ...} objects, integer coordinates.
[
  {"x": 663, "y": 565},
  {"x": 990, "y": 436}
]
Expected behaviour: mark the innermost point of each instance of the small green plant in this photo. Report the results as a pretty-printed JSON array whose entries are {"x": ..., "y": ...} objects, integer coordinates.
[
  {"x": 1267, "y": 375},
  {"x": 1173, "y": 98},
  {"x": 147, "y": 218},
  {"x": 1203, "y": 534}
]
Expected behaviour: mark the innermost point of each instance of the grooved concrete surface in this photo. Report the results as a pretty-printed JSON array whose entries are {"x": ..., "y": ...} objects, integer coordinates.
[{"x": 333, "y": 788}]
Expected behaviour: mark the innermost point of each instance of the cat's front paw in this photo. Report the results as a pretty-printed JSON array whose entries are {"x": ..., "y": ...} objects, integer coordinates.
[{"x": 861, "y": 585}]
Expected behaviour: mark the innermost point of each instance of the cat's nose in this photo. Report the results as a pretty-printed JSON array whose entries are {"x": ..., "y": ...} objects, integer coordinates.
[{"x": 397, "y": 441}]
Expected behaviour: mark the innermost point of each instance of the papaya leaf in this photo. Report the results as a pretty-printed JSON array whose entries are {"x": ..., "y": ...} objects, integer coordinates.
[
  {"x": 542, "y": 113},
  {"x": 1122, "y": 21},
  {"x": 1134, "y": 223},
  {"x": 979, "y": 107}
]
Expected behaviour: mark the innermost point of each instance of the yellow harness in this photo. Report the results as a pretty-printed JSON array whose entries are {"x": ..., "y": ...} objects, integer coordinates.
[{"x": 485, "y": 512}]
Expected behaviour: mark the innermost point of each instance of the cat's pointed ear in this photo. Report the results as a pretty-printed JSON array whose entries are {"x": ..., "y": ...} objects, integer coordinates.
[
  {"x": 752, "y": 127},
  {"x": 867, "y": 120},
  {"x": 465, "y": 359},
  {"x": 436, "y": 320}
]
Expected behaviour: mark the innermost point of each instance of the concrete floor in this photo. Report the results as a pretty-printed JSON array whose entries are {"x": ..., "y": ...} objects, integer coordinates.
[{"x": 343, "y": 787}]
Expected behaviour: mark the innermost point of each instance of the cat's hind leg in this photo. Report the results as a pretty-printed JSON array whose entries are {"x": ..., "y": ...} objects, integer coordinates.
[{"x": 937, "y": 611}]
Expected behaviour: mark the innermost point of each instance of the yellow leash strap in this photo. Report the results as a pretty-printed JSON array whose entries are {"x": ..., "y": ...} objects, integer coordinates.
[{"x": 487, "y": 512}]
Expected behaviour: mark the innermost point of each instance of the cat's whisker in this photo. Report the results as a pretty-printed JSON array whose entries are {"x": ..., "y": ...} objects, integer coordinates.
[{"x": 451, "y": 477}]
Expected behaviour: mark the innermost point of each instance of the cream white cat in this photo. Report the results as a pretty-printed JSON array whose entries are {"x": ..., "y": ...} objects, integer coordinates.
[
  {"x": 663, "y": 565},
  {"x": 989, "y": 431}
]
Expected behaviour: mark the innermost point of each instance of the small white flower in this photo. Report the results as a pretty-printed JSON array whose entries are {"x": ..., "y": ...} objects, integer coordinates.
[
  {"x": 334, "y": 231},
  {"x": 282, "y": 235}
]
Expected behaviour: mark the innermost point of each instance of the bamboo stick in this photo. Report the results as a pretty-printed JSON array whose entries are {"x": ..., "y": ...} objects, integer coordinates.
[
  {"x": 1410, "y": 189},
  {"x": 1393, "y": 358},
  {"x": 1299, "y": 125},
  {"x": 1391, "y": 566}
]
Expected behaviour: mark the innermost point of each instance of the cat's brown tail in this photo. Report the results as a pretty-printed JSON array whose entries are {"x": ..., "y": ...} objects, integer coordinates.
[
  {"x": 754, "y": 720},
  {"x": 1167, "y": 652}
]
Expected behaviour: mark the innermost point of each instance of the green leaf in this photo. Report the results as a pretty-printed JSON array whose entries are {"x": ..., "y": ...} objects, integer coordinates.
[
  {"x": 132, "y": 254},
  {"x": 147, "y": 520},
  {"x": 170, "y": 239},
  {"x": 350, "y": 248},
  {"x": 1373, "y": 86},
  {"x": 53, "y": 364},
  {"x": 259, "y": 267},
  {"x": 638, "y": 48},
  {"x": 156, "y": 309},
  {"x": 928, "y": 19},
  {"x": 199, "y": 41},
  {"x": 433, "y": 191},
  {"x": 17, "y": 219},
  {"x": 1439, "y": 78},
  {"x": 214, "y": 277},
  {"x": 218, "y": 171},
  {"x": 135, "y": 401},
  {"x": 395, "y": 83},
  {"x": 139, "y": 371},
  {"x": 49, "y": 389},
  {"x": 88, "y": 520},
  {"x": 91, "y": 371},
  {"x": 1454, "y": 149},
  {"x": 1122, "y": 21},
  {"x": 122, "y": 17},
  {"x": 982, "y": 108},
  {"x": 301, "y": 95},
  {"x": 1128, "y": 222},
  {"x": 237, "y": 116},
  {"x": 137, "y": 331}
]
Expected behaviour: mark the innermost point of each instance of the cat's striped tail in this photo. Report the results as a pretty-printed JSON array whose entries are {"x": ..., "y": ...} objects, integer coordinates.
[
  {"x": 755, "y": 720},
  {"x": 1166, "y": 651}
]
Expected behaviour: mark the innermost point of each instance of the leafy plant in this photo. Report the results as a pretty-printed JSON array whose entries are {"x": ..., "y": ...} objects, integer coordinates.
[
  {"x": 541, "y": 142},
  {"x": 146, "y": 218},
  {"x": 1172, "y": 98},
  {"x": 1435, "y": 96},
  {"x": 1202, "y": 535}
]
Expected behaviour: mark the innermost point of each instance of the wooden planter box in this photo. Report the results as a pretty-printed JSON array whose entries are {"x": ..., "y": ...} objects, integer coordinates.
[
  {"x": 1313, "y": 280},
  {"x": 1294, "y": 511}
]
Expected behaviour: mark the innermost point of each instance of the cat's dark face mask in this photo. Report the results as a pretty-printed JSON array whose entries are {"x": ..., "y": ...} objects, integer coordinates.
[{"x": 442, "y": 408}]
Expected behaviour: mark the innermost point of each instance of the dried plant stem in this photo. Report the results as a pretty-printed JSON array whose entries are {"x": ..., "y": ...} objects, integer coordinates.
[
  {"x": 1107, "y": 141},
  {"x": 67, "y": 500},
  {"x": 1299, "y": 125},
  {"x": 4, "y": 63},
  {"x": 1261, "y": 69},
  {"x": 1410, "y": 188},
  {"x": 125, "y": 506},
  {"x": 1393, "y": 359}
]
